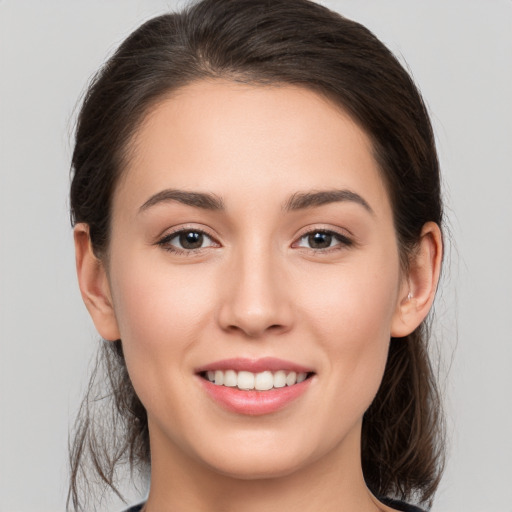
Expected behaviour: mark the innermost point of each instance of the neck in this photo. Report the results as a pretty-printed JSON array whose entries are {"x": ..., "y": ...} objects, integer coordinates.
[{"x": 333, "y": 483}]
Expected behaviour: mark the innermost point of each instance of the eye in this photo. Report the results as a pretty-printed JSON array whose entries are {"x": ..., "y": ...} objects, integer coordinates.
[
  {"x": 322, "y": 239},
  {"x": 186, "y": 240}
]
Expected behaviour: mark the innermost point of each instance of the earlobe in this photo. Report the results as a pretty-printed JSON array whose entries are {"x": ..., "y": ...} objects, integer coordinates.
[
  {"x": 94, "y": 285},
  {"x": 419, "y": 288}
]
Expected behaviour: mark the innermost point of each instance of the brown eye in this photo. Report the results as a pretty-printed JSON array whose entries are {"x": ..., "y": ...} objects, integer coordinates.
[
  {"x": 191, "y": 240},
  {"x": 186, "y": 240},
  {"x": 320, "y": 240}
]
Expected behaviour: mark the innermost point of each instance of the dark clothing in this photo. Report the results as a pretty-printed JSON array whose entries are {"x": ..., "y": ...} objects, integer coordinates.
[{"x": 400, "y": 505}]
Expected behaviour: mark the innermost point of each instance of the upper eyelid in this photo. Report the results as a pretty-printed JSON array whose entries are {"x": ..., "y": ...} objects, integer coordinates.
[
  {"x": 342, "y": 233},
  {"x": 183, "y": 229},
  {"x": 345, "y": 240},
  {"x": 319, "y": 228},
  {"x": 334, "y": 234},
  {"x": 164, "y": 242}
]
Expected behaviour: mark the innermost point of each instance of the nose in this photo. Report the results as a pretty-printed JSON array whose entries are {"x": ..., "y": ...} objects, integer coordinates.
[{"x": 255, "y": 299}]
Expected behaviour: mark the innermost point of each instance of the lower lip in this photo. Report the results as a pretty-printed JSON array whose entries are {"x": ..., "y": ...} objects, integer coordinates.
[{"x": 255, "y": 403}]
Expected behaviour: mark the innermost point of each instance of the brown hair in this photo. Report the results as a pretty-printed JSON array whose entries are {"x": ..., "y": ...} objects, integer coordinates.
[{"x": 266, "y": 42}]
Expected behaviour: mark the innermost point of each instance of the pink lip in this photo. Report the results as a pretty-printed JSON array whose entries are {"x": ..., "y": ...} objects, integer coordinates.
[
  {"x": 240, "y": 364},
  {"x": 254, "y": 403}
]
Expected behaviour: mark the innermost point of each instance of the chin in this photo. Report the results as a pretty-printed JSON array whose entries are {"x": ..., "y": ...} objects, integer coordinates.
[
  {"x": 265, "y": 458},
  {"x": 257, "y": 468}
]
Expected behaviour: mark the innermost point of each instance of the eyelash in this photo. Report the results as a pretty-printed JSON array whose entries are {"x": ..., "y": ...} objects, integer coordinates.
[
  {"x": 343, "y": 241},
  {"x": 165, "y": 242}
]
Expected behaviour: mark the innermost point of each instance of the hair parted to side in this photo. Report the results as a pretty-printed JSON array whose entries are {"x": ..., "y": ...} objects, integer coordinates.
[{"x": 264, "y": 42}]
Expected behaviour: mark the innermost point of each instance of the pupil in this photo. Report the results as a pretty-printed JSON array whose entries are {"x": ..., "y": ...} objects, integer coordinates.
[
  {"x": 320, "y": 240},
  {"x": 191, "y": 240}
]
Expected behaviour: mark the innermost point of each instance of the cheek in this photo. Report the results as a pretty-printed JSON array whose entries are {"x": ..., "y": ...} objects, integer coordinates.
[
  {"x": 159, "y": 310},
  {"x": 148, "y": 296},
  {"x": 350, "y": 314},
  {"x": 356, "y": 302},
  {"x": 161, "y": 313}
]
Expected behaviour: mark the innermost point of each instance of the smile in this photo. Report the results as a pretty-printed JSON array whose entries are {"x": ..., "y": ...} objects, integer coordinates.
[
  {"x": 262, "y": 381},
  {"x": 255, "y": 387}
]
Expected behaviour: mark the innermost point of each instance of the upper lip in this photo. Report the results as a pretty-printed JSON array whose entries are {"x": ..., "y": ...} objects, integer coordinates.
[{"x": 254, "y": 365}]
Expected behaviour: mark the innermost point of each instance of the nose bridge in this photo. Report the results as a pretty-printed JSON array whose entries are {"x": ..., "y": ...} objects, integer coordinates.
[{"x": 255, "y": 300}]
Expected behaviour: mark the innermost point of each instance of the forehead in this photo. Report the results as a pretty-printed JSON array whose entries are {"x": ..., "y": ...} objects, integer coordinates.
[{"x": 228, "y": 137}]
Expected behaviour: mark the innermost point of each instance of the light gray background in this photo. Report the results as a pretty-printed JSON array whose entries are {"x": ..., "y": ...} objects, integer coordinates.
[{"x": 459, "y": 52}]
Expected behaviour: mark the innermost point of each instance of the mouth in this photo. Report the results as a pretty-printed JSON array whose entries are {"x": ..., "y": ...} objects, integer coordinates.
[
  {"x": 261, "y": 381},
  {"x": 255, "y": 387}
]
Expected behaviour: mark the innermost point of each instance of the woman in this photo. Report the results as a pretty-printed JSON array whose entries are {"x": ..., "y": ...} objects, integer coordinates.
[{"x": 257, "y": 212}]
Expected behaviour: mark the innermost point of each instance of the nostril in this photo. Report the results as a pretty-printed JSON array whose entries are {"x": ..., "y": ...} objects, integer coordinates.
[{"x": 255, "y": 331}]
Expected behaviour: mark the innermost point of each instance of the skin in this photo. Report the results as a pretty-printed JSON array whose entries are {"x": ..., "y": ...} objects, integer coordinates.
[{"x": 256, "y": 288}]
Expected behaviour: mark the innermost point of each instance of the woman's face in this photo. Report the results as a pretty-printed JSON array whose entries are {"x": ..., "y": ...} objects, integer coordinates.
[{"x": 252, "y": 233}]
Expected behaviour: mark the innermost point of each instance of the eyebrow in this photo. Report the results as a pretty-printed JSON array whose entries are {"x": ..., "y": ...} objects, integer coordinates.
[
  {"x": 196, "y": 199},
  {"x": 298, "y": 201},
  {"x": 304, "y": 200}
]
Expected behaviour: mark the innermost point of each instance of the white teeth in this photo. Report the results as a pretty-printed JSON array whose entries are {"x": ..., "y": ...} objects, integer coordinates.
[
  {"x": 230, "y": 379},
  {"x": 291, "y": 379},
  {"x": 262, "y": 381},
  {"x": 245, "y": 380},
  {"x": 280, "y": 379}
]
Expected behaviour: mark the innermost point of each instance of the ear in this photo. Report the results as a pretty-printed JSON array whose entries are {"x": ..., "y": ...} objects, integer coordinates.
[
  {"x": 94, "y": 285},
  {"x": 419, "y": 286}
]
